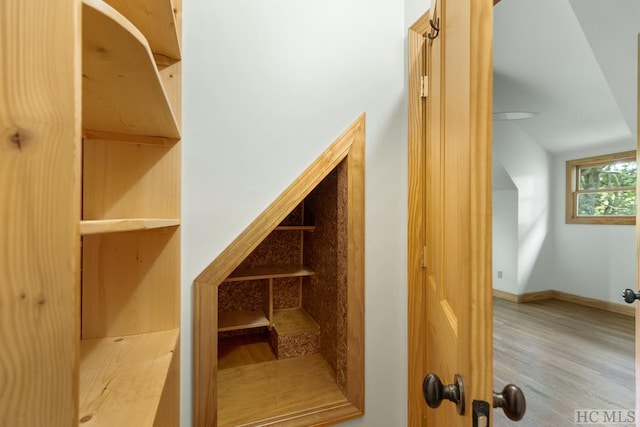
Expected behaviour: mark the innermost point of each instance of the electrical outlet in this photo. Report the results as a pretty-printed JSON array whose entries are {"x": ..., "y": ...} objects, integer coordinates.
[{"x": 499, "y": 274}]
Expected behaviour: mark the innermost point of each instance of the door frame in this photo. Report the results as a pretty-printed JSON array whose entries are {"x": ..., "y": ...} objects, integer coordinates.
[
  {"x": 416, "y": 277},
  {"x": 481, "y": 296}
]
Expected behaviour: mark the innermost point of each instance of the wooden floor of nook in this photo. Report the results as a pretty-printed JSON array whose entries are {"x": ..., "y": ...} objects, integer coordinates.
[
  {"x": 565, "y": 357},
  {"x": 251, "y": 381}
]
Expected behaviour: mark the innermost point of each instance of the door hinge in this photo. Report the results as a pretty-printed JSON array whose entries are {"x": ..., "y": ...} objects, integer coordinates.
[
  {"x": 424, "y": 86},
  {"x": 423, "y": 257}
]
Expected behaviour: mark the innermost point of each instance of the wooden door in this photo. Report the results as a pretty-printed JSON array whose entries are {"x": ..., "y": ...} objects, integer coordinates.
[{"x": 450, "y": 296}]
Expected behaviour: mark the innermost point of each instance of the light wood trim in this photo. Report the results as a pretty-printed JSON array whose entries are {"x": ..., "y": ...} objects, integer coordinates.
[
  {"x": 320, "y": 416},
  {"x": 120, "y": 78},
  {"x": 269, "y": 272},
  {"x": 129, "y": 224},
  {"x": 258, "y": 230},
  {"x": 524, "y": 298},
  {"x": 122, "y": 379},
  {"x": 627, "y": 310},
  {"x": 417, "y": 337},
  {"x": 535, "y": 296},
  {"x": 244, "y": 319},
  {"x": 356, "y": 270},
  {"x": 156, "y": 20},
  {"x": 481, "y": 133},
  {"x": 40, "y": 93},
  {"x": 571, "y": 193},
  {"x": 296, "y": 228},
  {"x": 205, "y": 354},
  {"x": 505, "y": 295},
  {"x": 349, "y": 145}
]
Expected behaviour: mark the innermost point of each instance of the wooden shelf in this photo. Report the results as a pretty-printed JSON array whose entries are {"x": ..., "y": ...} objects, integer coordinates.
[
  {"x": 296, "y": 228},
  {"x": 236, "y": 320},
  {"x": 269, "y": 272},
  {"x": 122, "y": 91},
  {"x": 293, "y": 320},
  {"x": 103, "y": 226},
  {"x": 156, "y": 20},
  {"x": 122, "y": 378}
]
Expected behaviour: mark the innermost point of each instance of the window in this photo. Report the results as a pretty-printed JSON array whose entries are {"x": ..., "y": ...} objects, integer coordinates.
[{"x": 602, "y": 190}]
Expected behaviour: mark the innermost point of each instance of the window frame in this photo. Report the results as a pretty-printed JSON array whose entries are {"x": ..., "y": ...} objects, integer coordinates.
[{"x": 572, "y": 192}]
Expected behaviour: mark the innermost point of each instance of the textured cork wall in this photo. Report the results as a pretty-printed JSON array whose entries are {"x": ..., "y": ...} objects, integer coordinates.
[
  {"x": 279, "y": 248},
  {"x": 324, "y": 294}
]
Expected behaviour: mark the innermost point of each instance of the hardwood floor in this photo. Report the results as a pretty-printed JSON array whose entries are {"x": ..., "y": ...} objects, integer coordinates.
[{"x": 565, "y": 357}]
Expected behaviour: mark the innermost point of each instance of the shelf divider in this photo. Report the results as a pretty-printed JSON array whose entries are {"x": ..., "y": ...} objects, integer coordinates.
[{"x": 122, "y": 378}]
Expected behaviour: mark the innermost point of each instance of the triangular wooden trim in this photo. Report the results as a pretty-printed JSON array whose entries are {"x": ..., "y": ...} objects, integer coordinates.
[{"x": 269, "y": 219}]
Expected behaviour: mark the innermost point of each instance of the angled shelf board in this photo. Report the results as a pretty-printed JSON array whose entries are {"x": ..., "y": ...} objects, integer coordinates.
[
  {"x": 122, "y": 378},
  {"x": 128, "y": 224},
  {"x": 156, "y": 20},
  {"x": 296, "y": 228},
  {"x": 269, "y": 272},
  {"x": 120, "y": 80},
  {"x": 236, "y": 320}
]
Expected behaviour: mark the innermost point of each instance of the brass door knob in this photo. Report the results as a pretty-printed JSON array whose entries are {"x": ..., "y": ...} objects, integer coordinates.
[{"x": 512, "y": 402}]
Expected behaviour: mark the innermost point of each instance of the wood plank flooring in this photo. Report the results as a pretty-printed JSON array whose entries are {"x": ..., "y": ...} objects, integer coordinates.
[{"x": 565, "y": 357}]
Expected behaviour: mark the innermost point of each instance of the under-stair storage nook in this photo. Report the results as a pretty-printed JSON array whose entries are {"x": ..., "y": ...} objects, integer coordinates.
[
  {"x": 279, "y": 338},
  {"x": 94, "y": 173}
]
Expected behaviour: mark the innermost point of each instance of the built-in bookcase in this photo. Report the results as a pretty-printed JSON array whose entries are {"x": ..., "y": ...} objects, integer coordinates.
[
  {"x": 130, "y": 292},
  {"x": 90, "y": 189}
]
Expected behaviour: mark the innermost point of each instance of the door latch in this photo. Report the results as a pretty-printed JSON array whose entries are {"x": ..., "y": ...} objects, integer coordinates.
[{"x": 480, "y": 413}]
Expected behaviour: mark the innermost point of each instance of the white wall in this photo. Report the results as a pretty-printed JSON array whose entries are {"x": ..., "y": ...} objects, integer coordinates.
[
  {"x": 595, "y": 261},
  {"x": 529, "y": 167},
  {"x": 505, "y": 240},
  {"x": 267, "y": 87}
]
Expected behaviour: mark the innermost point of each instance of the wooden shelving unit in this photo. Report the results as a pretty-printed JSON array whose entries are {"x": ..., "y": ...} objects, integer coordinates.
[
  {"x": 130, "y": 315},
  {"x": 120, "y": 225},
  {"x": 90, "y": 175}
]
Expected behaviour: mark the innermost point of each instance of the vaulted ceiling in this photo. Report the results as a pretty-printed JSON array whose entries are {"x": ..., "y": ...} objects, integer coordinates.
[{"x": 574, "y": 62}]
